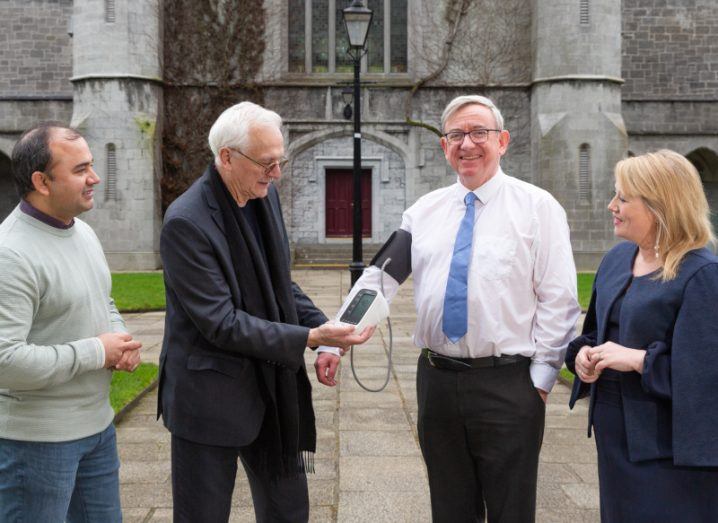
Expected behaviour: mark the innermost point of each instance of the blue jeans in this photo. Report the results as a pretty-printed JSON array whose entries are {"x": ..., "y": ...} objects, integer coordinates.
[{"x": 73, "y": 481}]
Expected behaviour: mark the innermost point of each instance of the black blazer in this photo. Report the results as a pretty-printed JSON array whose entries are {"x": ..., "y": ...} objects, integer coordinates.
[
  {"x": 671, "y": 410},
  {"x": 208, "y": 392}
]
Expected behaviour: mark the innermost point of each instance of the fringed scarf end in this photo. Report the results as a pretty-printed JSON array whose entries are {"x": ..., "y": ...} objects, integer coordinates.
[{"x": 306, "y": 462}]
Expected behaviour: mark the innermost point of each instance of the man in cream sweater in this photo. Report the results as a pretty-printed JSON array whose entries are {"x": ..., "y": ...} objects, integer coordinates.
[{"x": 60, "y": 336}]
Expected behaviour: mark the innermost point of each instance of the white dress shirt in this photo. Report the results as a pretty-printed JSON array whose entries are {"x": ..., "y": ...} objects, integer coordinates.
[{"x": 521, "y": 281}]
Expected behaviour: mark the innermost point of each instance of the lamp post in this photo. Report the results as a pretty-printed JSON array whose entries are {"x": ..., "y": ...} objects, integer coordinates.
[{"x": 357, "y": 19}]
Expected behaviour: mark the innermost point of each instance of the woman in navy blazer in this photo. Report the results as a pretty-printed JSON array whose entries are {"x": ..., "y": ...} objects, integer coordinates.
[{"x": 648, "y": 353}]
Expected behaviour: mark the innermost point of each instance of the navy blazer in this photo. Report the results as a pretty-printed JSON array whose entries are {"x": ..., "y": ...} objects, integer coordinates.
[
  {"x": 208, "y": 392},
  {"x": 671, "y": 410}
]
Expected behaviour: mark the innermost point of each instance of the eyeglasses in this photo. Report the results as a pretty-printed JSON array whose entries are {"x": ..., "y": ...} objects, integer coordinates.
[
  {"x": 478, "y": 136},
  {"x": 268, "y": 168}
]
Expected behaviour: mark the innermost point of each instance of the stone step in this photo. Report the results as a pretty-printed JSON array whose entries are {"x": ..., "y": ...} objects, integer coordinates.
[{"x": 330, "y": 255}]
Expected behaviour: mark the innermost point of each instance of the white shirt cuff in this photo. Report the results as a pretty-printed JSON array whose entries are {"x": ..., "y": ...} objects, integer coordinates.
[
  {"x": 543, "y": 375},
  {"x": 333, "y": 350}
]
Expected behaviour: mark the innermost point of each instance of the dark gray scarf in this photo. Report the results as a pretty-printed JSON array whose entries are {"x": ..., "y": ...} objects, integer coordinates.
[{"x": 286, "y": 442}]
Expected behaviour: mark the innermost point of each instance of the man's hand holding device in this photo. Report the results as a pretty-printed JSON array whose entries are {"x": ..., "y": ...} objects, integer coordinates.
[{"x": 357, "y": 318}]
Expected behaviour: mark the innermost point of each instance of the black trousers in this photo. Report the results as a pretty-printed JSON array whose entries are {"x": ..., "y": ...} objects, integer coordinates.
[
  {"x": 480, "y": 432},
  {"x": 203, "y": 481}
]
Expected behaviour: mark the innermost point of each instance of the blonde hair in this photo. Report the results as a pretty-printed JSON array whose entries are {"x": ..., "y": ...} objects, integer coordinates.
[{"x": 671, "y": 188}]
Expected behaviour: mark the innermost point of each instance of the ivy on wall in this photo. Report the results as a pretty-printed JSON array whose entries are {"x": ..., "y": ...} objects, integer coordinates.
[{"x": 212, "y": 53}]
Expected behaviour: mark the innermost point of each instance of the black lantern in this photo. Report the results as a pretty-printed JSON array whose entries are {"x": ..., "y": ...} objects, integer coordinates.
[{"x": 357, "y": 19}]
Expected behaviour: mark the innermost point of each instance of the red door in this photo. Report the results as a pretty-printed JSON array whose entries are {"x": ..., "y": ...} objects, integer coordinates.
[{"x": 339, "y": 198}]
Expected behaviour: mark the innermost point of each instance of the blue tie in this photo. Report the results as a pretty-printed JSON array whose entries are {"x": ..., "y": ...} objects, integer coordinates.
[{"x": 455, "y": 315}]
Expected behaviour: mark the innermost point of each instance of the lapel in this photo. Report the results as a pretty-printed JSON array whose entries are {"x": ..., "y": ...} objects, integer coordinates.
[
  {"x": 613, "y": 282},
  {"x": 611, "y": 286},
  {"x": 210, "y": 198}
]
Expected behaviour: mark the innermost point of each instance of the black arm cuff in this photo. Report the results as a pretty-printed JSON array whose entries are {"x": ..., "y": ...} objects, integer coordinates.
[{"x": 398, "y": 248}]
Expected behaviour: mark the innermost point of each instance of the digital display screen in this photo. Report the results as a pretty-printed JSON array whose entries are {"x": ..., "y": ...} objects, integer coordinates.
[{"x": 356, "y": 310}]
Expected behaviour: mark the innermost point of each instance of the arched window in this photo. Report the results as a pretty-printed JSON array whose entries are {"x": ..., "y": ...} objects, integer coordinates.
[
  {"x": 318, "y": 39},
  {"x": 111, "y": 173},
  {"x": 583, "y": 12},
  {"x": 110, "y": 11},
  {"x": 584, "y": 172}
]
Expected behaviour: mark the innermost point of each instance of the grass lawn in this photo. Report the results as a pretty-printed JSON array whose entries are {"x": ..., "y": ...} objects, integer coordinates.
[
  {"x": 145, "y": 291},
  {"x": 126, "y": 386},
  {"x": 138, "y": 291},
  {"x": 585, "y": 284},
  {"x": 566, "y": 374}
]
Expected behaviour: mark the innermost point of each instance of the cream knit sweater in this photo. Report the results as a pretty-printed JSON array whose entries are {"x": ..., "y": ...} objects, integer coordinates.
[{"x": 54, "y": 302}]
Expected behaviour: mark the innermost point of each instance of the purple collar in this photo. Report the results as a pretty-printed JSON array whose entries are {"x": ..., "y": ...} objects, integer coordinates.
[{"x": 44, "y": 218}]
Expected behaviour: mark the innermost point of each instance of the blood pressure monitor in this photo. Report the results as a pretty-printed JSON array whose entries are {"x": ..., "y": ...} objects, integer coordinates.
[{"x": 368, "y": 307}]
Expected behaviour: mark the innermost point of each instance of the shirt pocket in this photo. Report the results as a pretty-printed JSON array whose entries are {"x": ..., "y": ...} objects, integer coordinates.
[{"x": 494, "y": 257}]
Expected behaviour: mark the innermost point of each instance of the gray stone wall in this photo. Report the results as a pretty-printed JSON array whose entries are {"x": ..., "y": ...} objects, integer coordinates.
[
  {"x": 18, "y": 115},
  {"x": 670, "y": 49},
  {"x": 409, "y": 159},
  {"x": 576, "y": 104},
  {"x": 123, "y": 113},
  {"x": 35, "y": 67},
  {"x": 559, "y": 135},
  {"x": 117, "y": 101},
  {"x": 308, "y": 176},
  {"x": 35, "y": 48},
  {"x": 676, "y": 117},
  {"x": 128, "y": 46},
  {"x": 666, "y": 52},
  {"x": 492, "y": 44},
  {"x": 565, "y": 46}
]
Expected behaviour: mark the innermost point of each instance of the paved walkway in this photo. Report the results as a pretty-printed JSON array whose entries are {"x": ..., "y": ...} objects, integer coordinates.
[{"x": 368, "y": 464}]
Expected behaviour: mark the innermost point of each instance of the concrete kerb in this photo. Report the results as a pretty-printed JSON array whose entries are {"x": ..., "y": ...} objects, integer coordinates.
[{"x": 133, "y": 403}]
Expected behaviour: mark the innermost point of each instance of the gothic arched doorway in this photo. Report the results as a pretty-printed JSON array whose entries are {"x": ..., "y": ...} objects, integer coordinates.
[
  {"x": 706, "y": 162},
  {"x": 8, "y": 195}
]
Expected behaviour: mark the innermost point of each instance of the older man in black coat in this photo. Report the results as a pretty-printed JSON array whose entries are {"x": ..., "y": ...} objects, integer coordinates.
[{"x": 233, "y": 383}]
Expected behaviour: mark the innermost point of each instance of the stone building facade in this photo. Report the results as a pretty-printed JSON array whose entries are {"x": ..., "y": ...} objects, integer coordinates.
[{"x": 581, "y": 83}]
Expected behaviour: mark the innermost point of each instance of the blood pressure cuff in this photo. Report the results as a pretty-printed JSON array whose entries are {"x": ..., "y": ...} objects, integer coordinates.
[{"x": 398, "y": 248}]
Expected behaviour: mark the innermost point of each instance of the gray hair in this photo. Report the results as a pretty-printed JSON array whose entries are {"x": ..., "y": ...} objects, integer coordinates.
[
  {"x": 232, "y": 127},
  {"x": 460, "y": 101}
]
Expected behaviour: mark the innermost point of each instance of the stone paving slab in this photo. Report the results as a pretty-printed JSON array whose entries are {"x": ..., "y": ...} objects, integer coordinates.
[
  {"x": 378, "y": 443},
  {"x": 368, "y": 465},
  {"x": 384, "y": 506}
]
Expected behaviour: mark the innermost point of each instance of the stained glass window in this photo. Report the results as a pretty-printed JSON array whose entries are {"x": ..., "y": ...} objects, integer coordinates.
[
  {"x": 344, "y": 62},
  {"x": 375, "y": 40},
  {"x": 296, "y": 36},
  {"x": 320, "y": 36},
  {"x": 398, "y": 36},
  {"x": 326, "y": 35}
]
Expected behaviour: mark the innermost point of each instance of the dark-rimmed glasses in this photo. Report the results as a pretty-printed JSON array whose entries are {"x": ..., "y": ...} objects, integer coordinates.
[
  {"x": 268, "y": 168},
  {"x": 478, "y": 136}
]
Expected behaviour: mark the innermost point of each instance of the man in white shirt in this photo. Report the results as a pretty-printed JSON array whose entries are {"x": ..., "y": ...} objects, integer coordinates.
[{"x": 494, "y": 253}]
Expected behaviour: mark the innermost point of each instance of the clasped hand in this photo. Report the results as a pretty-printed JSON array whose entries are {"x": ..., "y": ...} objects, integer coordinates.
[
  {"x": 121, "y": 351},
  {"x": 590, "y": 361}
]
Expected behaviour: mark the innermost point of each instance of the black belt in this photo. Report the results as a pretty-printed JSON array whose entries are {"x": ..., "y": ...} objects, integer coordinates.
[{"x": 445, "y": 362}]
